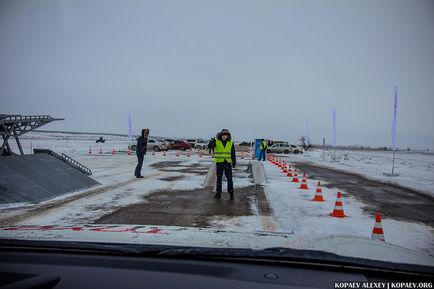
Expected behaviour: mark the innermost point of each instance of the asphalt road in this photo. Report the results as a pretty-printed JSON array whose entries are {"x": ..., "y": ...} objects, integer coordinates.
[
  {"x": 389, "y": 199},
  {"x": 194, "y": 208}
]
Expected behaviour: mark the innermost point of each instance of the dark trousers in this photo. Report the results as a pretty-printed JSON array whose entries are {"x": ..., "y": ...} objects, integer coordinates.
[
  {"x": 211, "y": 150},
  {"x": 261, "y": 155},
  {"x": 139, "y": 164},
  {"x": 227, "y": 169}
]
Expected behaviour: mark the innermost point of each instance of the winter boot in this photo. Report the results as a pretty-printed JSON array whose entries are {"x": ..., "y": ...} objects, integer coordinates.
[
  {"x": 231, "y": 194},
  {"x": 218, "y": 195}
]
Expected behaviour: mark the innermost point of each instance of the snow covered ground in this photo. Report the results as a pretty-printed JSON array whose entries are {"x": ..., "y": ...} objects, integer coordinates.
[
  {"x": 292, "y": 209},
  {"x": 416, "y": 169},
  {"x": 70, "y": 143}
]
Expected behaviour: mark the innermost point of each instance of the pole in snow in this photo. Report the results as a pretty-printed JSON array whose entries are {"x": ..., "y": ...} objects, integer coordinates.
[
  {"x": 130, "y": 130},
  {"x": 334, "y": 127},
  {"x": 395, "y": 108}
]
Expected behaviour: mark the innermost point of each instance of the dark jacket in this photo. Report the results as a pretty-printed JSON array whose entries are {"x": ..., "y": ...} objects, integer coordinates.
[
  {"x": 211, "y": 144},
  {"x": 233, "y": 155},
  {"x": 142, "y": 145}
]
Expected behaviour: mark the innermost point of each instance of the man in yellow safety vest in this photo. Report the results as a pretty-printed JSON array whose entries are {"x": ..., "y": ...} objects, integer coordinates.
[
  {"x": 262, "y": 148},
  {"x": 224, "y": 156}
]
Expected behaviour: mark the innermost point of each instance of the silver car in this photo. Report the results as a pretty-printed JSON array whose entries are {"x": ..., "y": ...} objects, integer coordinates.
[
  {"x": 284, "y": 148},
  {"x": 153, "y": 144}
]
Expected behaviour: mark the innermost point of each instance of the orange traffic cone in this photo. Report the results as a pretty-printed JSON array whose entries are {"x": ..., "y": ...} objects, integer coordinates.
[
  {"x": 90, "y": 150},
  {"x": 289, "y": 174},
  {"x": 318, "y": 194},
  {"x": 100, "y": 151},
  {"x": 377, "y": 232},
  {"x": 177, "y": 153},
  {"x": 113, "y": 151},
  {"x": 295, "y": 177},
  {"x": 284, "y": 169},
  {"x": 338, "y": 211},
  {"x": 303, "y": 185}
]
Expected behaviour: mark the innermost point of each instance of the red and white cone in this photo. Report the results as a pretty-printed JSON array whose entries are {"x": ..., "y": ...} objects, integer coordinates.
[
  {"x": 284, "y": 169},
  {"x": 100, "y": 151},
  {"x": 295, "y": 177},
  {"x": 338, "y": 211},
  {"x": 90, "y": 150},
  {"x": 289, "y": 174},
  {"x": 164, "y": 153},
  {"x": 129, "y": 152},
  {"x": 303, "y": 185},
  {"x": 377, "y": 232},
  {"x": 318, "y": 194},
  {"x": 113, "y": 151},
  {"x": 177, "y": 153}
]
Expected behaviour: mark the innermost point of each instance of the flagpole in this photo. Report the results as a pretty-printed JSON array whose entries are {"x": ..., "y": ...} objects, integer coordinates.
[
  {"x": 395, "y": 106},
  {"x": 393, "y": 161}
]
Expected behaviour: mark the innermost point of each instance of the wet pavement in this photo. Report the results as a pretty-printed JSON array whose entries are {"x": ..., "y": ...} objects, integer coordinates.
[
  {"x": 191, "y": 208},
  {"x": 389, "y": 199}
]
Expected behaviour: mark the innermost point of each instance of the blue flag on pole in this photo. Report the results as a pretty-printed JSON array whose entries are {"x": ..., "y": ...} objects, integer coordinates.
[
  {"x": 130, "y": 130},
  {"x": 334, "y": 126},
  {"x": 395, "y": 106}
]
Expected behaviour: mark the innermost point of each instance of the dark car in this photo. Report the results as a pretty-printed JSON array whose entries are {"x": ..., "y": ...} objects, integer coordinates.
[{"x": 181, "y": 145}]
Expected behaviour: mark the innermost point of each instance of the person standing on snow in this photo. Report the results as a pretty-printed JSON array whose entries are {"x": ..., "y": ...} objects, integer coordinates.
[
  {"x": 262, "y": 148},
  {"x": 141, "y": 148},
  {"x": 211, "y": 146},
  {"x": 224, "y": 156}
]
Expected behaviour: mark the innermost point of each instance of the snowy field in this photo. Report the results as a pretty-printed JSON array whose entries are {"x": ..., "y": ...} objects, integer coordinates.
[
  {"x": 292, "y": 209},
  {"x": 415, "y": 169}
]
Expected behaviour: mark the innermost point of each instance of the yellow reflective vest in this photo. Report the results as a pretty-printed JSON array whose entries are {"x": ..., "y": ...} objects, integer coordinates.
[
  {"x": 222, "y": 153},
  {"x": 263, "y": 145}
]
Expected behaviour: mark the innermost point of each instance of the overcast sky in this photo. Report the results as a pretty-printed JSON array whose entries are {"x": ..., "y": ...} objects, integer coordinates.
[{"x": 191, "y": 68}]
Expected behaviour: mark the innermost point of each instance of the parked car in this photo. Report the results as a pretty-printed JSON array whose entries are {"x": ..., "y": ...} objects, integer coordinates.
[
  {"x": 284, "y": 148},
  {"x": 169, "y": 142},
  {"x": 201, "y": 144},
  {"x": 164, "y": 141},
  {"x": 191, "y": 141},
  {"x": 245, "y": 144},
  {"x": 153, "y": 144},
  {"x": 181, "y": 145}
]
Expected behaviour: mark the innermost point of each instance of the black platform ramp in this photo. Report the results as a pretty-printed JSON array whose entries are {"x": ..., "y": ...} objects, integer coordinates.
[{"x": 39, "y": 177}]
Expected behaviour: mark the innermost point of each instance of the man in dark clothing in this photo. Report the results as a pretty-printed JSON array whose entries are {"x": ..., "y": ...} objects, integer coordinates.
[
  {"x": 225, "y": 160},
  {"x": 141, "y": 148},
  {"x": 211, "y": 145}
]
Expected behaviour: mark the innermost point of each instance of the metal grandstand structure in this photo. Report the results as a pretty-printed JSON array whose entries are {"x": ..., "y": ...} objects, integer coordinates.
[
  {"x": 40, "y": 176},
  {"x": 15, "y": 125}
]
